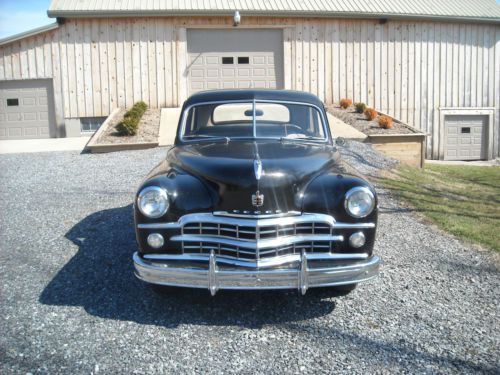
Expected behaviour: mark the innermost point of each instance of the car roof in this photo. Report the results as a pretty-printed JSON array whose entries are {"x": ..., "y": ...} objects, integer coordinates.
[{"x": 251, "y": 94}]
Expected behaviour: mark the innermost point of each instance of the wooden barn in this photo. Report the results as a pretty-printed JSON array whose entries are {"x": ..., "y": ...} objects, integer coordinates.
[{"x": 432, "y": 64}]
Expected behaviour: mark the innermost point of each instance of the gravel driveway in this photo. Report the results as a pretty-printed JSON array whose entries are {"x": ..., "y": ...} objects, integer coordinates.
[{"x": 69, "y": 302}]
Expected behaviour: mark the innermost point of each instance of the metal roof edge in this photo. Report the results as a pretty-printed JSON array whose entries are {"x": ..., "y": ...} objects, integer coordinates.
[
  {"x": 314, "y": 14},
  {"x": 28, "y": 33}
]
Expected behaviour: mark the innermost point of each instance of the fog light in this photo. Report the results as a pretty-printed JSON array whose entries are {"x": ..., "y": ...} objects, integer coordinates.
[
  {"x": 357, "y": 239},
  {"x": 155, "y": 240}
]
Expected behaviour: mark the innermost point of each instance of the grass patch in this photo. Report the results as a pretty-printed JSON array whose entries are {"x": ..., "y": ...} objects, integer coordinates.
[{"x": 463, "y": 200}]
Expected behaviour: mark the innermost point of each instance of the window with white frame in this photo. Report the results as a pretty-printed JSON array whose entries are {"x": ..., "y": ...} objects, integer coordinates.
[{"x": 90, "y": 124}]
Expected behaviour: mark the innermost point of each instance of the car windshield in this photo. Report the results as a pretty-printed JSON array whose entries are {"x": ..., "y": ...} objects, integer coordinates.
[{"x": 242, "y": 120}]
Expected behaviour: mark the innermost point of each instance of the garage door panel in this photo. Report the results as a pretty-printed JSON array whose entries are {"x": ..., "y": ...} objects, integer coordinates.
[
  {"x": 465, "y": 137},
  {"x": 27, "y": 109},
  {"x": 236, "y": 59}
]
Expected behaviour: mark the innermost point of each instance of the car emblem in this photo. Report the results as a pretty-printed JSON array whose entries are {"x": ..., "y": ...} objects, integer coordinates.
[
  {"x": 257, "y": 199},
  {"x": 257, "y": 168}
]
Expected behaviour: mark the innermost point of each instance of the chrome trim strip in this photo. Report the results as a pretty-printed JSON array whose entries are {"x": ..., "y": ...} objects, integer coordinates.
[
  {"x": 271, "y": 262},
  {"x": 254, "y": 221},
  {"x": 256, "y": 244},
  {"x": 256, "y": 216},
  {"x": 213, "y": 279},
  {"x": 304, "y": 273}
]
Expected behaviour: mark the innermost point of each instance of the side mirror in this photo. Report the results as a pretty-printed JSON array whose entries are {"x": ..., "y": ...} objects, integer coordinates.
[{"x": 340, "y": 141}]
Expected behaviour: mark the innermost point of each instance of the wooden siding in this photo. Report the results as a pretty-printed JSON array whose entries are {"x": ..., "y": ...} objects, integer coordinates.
[{"x": 406, "y": 69}]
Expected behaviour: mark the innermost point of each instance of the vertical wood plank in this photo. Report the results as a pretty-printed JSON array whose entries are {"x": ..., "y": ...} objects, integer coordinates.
[
  {"x": 56, "y": 80},
  {"x": 93, "y": 89},
  {"x": 160, "y": 63},
  {"x": 436, "y": 91},
  {"x": 39, "y": 56},
  {"x": 136, "y": 61},
  {"x": 306, "y": 86},
  {"x": 182, "y": 60},
  {"x": 103, "y": 26},
  {"x": 111, "y": 48},
  {"x": 320, "y": 61},
  {"x": 64, "y": 70},
  {"x": 336, "y": 69},
  {"x": 152, "y": 67},
  {"x": 329, "y": 73},
  {"x": 496, "y": 62},
  {"x": 349, "y": 62},
  {"x": 370, "y": 64},
  {"x": 7, "y": 54},
  {"x": 144, "y": 61},
  {"x": 298, "y": 54},
  {"x": 418, "y": 74},
  {"x": 404, "y": 73},
  {"x": 410, "y": 76},
  {"x": 23, "y": 59}
]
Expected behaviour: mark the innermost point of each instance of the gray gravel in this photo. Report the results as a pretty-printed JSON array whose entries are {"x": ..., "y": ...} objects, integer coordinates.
[{"x": 70, "y": 303}]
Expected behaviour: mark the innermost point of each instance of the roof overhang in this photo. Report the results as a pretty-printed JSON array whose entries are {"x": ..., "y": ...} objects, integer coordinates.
[
  {"x": 26, "y": 34},
  {"x": 258, "y": 13}
]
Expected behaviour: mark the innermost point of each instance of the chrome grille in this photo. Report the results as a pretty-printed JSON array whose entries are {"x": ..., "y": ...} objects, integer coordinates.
[{"x": 255, "y": 239}]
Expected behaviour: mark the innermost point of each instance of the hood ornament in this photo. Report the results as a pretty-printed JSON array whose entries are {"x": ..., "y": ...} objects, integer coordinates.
[
  {"x": 257, "y": 168},
  {"x": 258, "y": 199}
]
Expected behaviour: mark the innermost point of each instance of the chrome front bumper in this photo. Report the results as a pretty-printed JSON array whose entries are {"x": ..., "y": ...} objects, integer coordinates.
[{"x": 299, "y": 271}]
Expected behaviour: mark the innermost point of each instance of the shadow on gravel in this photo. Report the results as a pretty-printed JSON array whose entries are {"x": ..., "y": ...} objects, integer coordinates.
[
  {"x": 391, "y": 353},
  {"x": 100, "y": 279}
]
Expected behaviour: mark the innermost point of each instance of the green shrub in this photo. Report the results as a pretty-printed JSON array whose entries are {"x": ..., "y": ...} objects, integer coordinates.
[
  {"x": 128, "y": 126},
  {"x": 130, "y": 122},
  {"x": 360, "y": 107}
]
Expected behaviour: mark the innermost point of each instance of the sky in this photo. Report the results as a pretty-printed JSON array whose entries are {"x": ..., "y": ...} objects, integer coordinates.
[{"x": 17, "y": 16}]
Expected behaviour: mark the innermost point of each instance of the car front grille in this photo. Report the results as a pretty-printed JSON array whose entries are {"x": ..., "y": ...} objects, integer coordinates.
[{"x": 254, "y": 239}]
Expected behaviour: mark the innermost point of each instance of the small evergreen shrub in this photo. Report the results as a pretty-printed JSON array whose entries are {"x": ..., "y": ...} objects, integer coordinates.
[
  {"x": 385, "y": 122},
  {"x": 345, "y": 103},
  {"x": 370, "y": 114},
  {"x": 130, "y": 122},
  {"x": 360, "y": 107}
]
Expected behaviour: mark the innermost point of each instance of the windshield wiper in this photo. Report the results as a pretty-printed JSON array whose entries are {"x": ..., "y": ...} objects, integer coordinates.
[{"x": 207, "y": 137}]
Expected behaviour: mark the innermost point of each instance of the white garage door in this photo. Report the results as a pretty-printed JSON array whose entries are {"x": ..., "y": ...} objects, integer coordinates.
[
  {"x": 234, "y": 59},
  {"x": 26, "y": 109},
  {"x": 465, "y": 137}
]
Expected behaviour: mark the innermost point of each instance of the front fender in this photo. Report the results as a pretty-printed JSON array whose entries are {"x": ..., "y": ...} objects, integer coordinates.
[{"x": 326, "y": 194}]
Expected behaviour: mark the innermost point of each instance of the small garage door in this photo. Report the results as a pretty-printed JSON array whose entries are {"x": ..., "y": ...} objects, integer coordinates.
[
  {"x": 232, "y": 59},
  {"x": 465, "y": 137},
  {"x": 26, "y": 109}
]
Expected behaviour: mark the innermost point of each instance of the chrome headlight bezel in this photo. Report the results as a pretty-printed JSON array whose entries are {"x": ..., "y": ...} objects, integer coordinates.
[
  {"x": 351, "y": 194},
  {"x": 161, "y": 195}
]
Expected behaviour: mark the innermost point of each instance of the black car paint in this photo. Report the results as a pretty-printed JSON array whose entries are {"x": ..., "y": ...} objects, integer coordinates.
[{"x": 219, "y": 176}]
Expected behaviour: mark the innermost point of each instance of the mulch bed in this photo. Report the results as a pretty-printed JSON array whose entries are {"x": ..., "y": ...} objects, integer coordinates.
[
  {"x": 359, "y": 121},
  {"x": 148, "y": 130}
]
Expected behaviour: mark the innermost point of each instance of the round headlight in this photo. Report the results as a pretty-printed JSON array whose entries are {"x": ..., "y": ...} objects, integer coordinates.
[
  {"x": 153, "y": 201},
  {"x": 359, "y": 202}
]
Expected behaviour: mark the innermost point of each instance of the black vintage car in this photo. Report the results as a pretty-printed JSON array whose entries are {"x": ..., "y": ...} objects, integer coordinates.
[{"x": 254, "y": 195}]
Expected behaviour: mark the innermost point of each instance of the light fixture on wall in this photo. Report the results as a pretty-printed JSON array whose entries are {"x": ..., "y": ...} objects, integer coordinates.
[{"x": 236, "y": 18}]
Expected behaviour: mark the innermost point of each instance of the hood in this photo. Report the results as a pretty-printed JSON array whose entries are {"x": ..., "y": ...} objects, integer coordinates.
[{"x": 230, "y": 171}]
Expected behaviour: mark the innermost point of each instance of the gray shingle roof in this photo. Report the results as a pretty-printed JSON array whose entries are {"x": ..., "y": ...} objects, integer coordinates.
[{"x": 480, "y": 10}]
